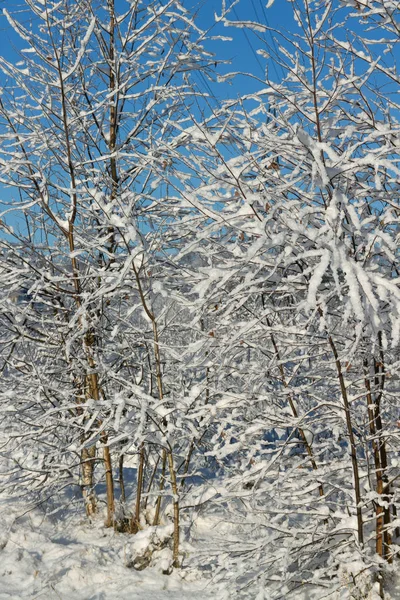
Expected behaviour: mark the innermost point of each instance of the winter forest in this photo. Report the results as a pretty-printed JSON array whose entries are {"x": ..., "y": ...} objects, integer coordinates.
[{"x": 200, "y": 301}]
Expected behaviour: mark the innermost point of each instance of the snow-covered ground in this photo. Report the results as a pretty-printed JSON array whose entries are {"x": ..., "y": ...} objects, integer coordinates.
[
  {"x": 65, "y": 557},
  {"x": 69, "y": 558}
]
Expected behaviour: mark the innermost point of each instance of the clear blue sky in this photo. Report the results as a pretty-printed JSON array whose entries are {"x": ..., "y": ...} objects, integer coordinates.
[{"x": 241, "y": 51}]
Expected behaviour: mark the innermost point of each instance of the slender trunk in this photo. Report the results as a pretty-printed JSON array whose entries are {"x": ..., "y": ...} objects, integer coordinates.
[
  {"x": 379, "y": 367},
  {"x": 166, "y": 454},
  {"x": 139, "y": 487},
  {"x": 353, "y": 449},
  {"x": 172, "y": 472},
  {"x": 93, "y": 392},
  {"x": 88, "y": 456},
  {"x": 377, "y": 463},
  {"x": 121, "y": 478},
  {"x": 343, "y": 389},
  {"x": 92, "y": 383},
  {"x": 109, "y": 486},
  {"x": 113, "y": 103},
  {"x": 156, "y": 520}
]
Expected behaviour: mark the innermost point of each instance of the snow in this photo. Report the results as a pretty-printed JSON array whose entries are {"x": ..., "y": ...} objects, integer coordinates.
[
  {"x": 82, "y": 49},
  {"x": 316, "y": 279},
  {"x": 46, "y": 557},
  {"x": 243, "y": 257}
]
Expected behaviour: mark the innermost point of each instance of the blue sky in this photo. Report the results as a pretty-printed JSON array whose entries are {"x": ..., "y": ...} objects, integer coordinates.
[{"x": 241, "y": 51}]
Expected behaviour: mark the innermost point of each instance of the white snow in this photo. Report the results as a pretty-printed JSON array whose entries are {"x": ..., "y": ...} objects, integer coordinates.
[{"x": 69, "y": 558}]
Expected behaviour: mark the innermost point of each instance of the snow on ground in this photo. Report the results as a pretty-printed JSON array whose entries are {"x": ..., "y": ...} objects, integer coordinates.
[
  {"x": 65, "y": 557},
  {"x": 69, "y": 558}
]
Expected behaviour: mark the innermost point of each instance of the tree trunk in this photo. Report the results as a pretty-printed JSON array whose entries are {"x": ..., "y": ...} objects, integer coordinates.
[{"x": 88, "y": 456}]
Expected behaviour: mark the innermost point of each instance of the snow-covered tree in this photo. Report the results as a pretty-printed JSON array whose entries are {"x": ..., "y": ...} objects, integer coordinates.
[
  {"x": 306, "y": 312},
  {"x": 206, "y": 302},
  {"x": 93, "y": 149}
]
